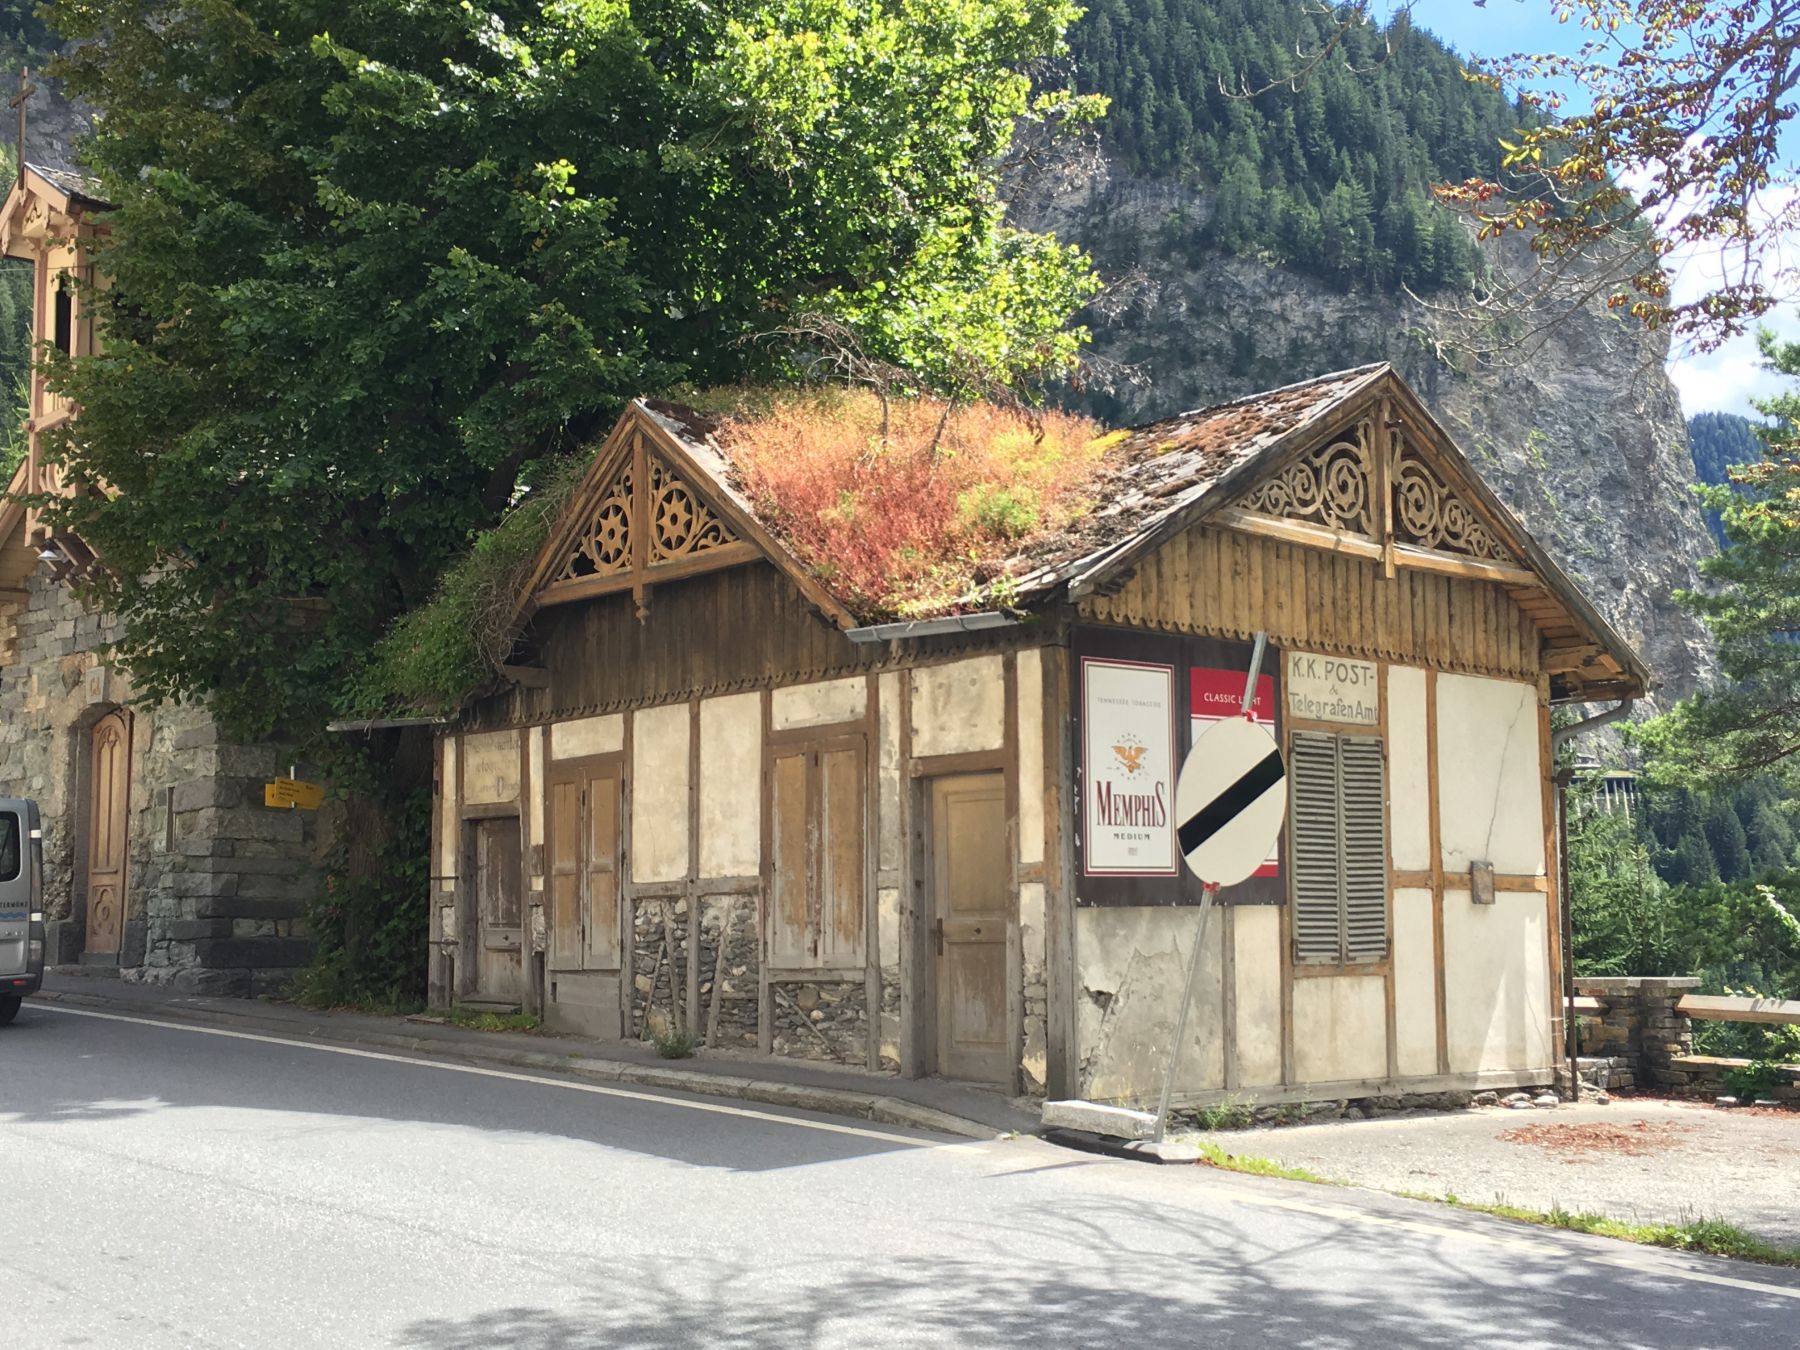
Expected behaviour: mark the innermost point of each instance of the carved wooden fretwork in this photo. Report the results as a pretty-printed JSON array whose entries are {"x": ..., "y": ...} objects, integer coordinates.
[
  {"x": 604, "y": 547},
  {"x": 649, "y": 524},
  {"x": 1429, "y": 514},
  {"x": 1329, "y": 486},
  {"x": 681, "y": 525}
]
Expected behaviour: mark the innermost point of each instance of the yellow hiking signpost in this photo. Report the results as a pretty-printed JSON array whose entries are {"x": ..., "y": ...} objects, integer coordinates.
[{"x": 292, "y": 793}]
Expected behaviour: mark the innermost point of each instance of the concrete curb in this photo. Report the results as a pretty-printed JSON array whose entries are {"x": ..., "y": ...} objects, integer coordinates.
[{"x": 877, "y": 1108}]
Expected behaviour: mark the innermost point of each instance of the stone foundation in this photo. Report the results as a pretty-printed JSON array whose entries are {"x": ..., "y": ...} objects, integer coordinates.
[
  {"x": 820, "y": 1020},
  {"x": 730, "y": 980}
]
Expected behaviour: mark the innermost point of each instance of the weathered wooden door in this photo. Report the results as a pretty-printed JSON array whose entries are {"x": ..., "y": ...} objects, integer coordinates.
[
  {"x": 971, "y": 876},
  {"x": 584, "y": 870},
  {"x": 498, "y": 883},
  {"x": 108, "y": 832}
]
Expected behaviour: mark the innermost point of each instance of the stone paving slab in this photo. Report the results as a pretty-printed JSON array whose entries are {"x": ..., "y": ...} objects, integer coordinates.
[
  {"x": 924, "y": 1104},
  {"x": 1646, "y": 1160}
]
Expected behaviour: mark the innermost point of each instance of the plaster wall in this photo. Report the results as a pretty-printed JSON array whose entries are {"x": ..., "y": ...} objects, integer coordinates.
[
  {"x": 1415, "y": 983},
  {"x": 1490, "y": 791},
  {"x": 450, "y": 809},
  {"x": 490, "y": 767},
  {"x": 1409, "y": 777},
  {"x": 818, "y": 705},
  {"x": 1497, "y": 972},
  {"x": 534, "y": 788},
  {"x": 1133, "y": 967},
  {"x": 889, "y": 785},
  {"x": 1029, "y": 676},
  {"x": 730, "y": 779},
  {"x": 1340, "y": 1028},
  {"x": 659, "y": 795},
  {"x": 959, "y": 707},
  {"x": 1256, "y": 960},
  {"x": 588, "y": 736}
]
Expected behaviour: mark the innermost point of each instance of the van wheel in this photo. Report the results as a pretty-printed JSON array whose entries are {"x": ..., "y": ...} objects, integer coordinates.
[{"x": 9, "y": 1009}]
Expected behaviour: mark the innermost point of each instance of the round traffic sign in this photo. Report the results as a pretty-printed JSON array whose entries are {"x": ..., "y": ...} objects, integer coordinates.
[{"x": 1230, "y": 801}]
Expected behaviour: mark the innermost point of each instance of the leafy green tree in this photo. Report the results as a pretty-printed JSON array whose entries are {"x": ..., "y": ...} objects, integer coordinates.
[
  {"x": 370, "y": 260},
  {"x": 1750, "y": 721}
]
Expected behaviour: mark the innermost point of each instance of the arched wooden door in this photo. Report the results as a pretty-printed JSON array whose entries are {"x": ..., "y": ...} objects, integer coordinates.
[{"x": 109, "y": 796}]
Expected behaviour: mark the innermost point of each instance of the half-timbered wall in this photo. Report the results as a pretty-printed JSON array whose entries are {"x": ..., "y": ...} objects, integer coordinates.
[
  {"x": 1465, "y": 993},
  {"x": 773, "y": 861}
]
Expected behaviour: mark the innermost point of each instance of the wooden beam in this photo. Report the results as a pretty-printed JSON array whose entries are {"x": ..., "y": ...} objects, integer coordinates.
[
  {"x": 586, "y": 588},
  {"x": 1328, "y": 540},
  {"x": 526, "y": 677},
  {"x": 1713, "y": 1008}
]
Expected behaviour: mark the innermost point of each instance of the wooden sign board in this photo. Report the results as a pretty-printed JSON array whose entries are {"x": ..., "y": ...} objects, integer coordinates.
[{"x": 291, "y": 792}]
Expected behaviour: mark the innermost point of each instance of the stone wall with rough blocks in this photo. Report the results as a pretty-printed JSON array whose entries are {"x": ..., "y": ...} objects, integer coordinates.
[
  {"x": 216, "y": 882},
  {"x": 730, "y": 980},
  {"x": 1638, "y": 1038},
  {"x": 1639, "y": 1025}
]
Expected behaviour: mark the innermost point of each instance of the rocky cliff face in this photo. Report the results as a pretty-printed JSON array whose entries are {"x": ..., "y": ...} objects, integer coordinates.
[{"x": 1584, "y": 439}]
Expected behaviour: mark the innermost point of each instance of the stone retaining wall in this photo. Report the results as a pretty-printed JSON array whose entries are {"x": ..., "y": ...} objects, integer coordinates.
[{"x": 1638, "y": 1039}]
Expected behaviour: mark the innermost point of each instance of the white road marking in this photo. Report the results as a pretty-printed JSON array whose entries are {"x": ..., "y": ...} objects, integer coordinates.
[{"x": 634, "y": 1094}]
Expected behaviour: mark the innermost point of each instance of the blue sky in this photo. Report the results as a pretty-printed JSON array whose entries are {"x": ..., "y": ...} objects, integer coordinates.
[{"x": 1722, "y": 380}]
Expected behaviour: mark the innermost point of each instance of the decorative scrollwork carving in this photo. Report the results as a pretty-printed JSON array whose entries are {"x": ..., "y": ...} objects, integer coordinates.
[
  {"x": 605, "y": 546},
  {"x": 681, "y": 525},
  {"x": 1329, "y": 486},
  {"x": 1427, "y": 513}
]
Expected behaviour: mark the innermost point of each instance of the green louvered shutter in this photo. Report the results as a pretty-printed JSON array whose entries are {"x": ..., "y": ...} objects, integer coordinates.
[
  {"x": 1313, "y": 832},
  {"x": 1338, "y": 849},
  {"x": 1363, "y": 803}
]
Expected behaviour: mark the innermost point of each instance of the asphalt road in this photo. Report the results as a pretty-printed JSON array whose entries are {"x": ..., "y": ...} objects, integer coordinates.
[{"x": 170, "y": 1186}]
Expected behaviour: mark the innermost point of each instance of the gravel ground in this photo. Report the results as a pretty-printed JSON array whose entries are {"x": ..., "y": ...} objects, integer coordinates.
[{"x": 1643, "y": 1160}]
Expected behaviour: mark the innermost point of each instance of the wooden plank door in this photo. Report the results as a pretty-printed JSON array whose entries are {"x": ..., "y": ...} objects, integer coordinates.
[
  {"x": 972, "y": 884},
  {"x": 584, "y": 870},
  {"x": 108, "y": 834},
  {"x": 498, "y": 899}
]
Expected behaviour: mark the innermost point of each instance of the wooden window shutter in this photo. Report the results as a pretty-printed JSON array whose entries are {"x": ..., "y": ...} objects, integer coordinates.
[
  {"x": 1339, "y": 871},
  {"x": 565, "y": 875},
  {"x": 1362, "y": 791},
  {"x": 602, "y": 809},
  {"x": 790, "y": 857},
  {"x": 1312, "y": 831},
  {"x": 840, "y": 891},
  {"x": 818, "y": 800}
]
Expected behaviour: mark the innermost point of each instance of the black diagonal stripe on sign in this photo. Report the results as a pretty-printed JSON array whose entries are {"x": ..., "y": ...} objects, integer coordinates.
[{"x": 1225, "y": 808}]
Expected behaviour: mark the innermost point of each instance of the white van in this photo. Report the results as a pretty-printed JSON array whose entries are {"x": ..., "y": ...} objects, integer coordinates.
[{"x": 21, "y": 904}]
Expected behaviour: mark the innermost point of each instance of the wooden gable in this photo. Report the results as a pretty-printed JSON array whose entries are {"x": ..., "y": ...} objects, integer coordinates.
[
  {"x": 637, "y": 520},
  {"x": 1428, "y": 564},
  {"x": 654, "y": 509}
]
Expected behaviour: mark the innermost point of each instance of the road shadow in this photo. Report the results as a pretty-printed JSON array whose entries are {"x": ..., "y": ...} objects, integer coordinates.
[
  {"x": 1231, "y": 1290},
  {"x": 60, "y": 1066}
]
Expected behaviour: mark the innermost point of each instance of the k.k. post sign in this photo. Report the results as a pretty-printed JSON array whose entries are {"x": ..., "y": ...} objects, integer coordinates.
[{"x": 1332, "y": 689}]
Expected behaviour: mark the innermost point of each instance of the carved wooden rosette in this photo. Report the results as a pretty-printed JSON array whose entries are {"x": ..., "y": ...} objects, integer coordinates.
[{"x": 681, "y": 524}]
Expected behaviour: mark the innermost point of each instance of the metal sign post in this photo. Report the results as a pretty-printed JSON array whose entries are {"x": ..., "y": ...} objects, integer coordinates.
[{"x": 1229, "y": 807}]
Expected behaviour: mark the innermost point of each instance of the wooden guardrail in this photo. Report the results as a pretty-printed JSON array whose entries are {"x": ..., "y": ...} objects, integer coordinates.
[{"x": 1726, "y": 1008}]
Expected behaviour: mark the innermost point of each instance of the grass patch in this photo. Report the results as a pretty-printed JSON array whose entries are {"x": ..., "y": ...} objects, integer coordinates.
[
  {"x": 1714, "y": 1237},
  {"x": 1214, "y": 1156},
  {"x": 477, "y": 1020},
  {"x": 908, "y": 508},
  {"x": 674, "y": 1044}
]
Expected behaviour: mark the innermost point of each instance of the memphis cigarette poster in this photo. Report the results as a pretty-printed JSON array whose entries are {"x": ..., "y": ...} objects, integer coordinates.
[{"x": 1128, "y": 768}]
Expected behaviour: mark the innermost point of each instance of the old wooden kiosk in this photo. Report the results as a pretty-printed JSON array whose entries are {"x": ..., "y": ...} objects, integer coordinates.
[{"x": 708, "y": 800}]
